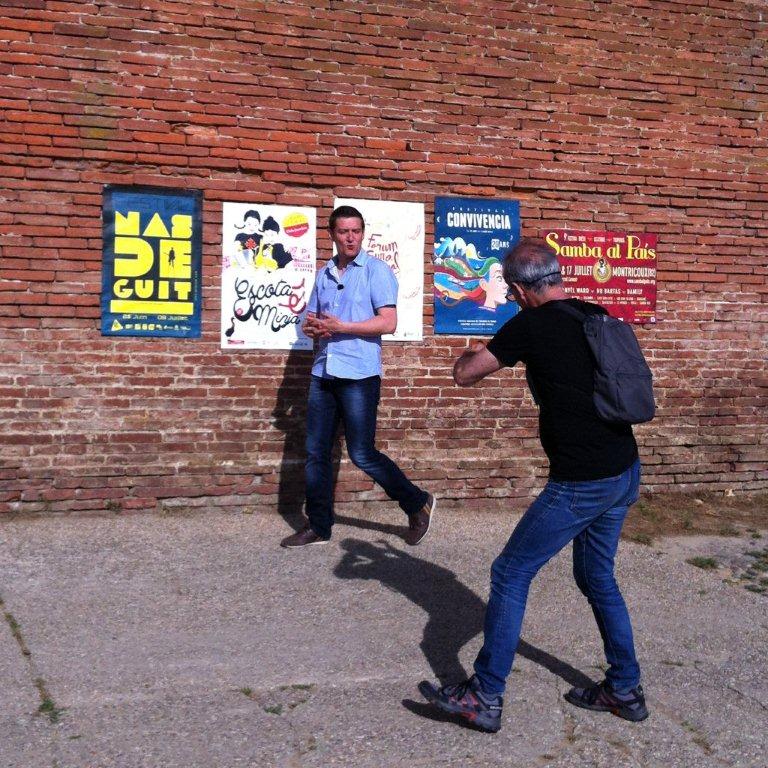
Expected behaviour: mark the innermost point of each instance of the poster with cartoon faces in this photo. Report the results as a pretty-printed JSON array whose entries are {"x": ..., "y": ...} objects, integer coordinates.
[{"x": 267, "y": 274}]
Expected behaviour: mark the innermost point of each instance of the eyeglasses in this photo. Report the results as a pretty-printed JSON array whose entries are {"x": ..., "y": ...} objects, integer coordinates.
[{"x": 511, "y": 291}]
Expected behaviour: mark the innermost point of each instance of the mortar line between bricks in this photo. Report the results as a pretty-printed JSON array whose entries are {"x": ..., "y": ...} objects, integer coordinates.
[{"x": 47, "y": 706}]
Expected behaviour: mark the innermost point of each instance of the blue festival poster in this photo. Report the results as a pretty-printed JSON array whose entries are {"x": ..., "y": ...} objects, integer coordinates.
[
  {"x": 152, "y": 257},
  {"x": 471, "y": 237}
]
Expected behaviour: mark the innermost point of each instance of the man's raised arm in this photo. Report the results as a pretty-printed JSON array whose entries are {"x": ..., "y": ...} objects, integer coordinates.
[{"x": 474, "y": 364}]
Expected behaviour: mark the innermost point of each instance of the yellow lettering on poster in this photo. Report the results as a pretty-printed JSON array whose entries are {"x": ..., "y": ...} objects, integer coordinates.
[
  {"x": 175, "y": 258},
  {"x": 141, "y": 253},
  {"x": 183, "y": 289},
  {"x": 181, "y": 226},
  {"x": 126, "y": 306},
  {"x": 552, "y": 239},
  {"x": 152, "y": 276},
  {"x": 156, "y": 228},
  {"x": 635, "y": 251},
  {"x": 579, "y": 251},
  {"x": 144, "y": 288},
  {"x": 127, "y": 225},
  {"x": 122, "y": 288}
]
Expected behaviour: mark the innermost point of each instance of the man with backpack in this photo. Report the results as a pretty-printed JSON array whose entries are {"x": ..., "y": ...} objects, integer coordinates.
[{"x": 594, "y": 478}]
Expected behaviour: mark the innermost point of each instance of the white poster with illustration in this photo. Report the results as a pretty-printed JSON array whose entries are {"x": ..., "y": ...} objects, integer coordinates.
[
  {"x": 394, "y": 233},
  {"x": 267, "y": 274}
]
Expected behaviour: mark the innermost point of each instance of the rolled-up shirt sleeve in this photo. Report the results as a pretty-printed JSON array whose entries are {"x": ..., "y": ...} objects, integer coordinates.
[
  {"x": 313, "y": 305},
  {"x": 383, "y": 285}
]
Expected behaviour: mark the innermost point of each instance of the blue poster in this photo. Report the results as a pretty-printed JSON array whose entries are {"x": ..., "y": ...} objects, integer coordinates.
[
  {"x": 151, "y": 262},
  {"x": 472, "y": 235}
]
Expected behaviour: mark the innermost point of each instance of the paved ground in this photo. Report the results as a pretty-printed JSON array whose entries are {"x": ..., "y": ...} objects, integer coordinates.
[{"x": 196, "y": 641}]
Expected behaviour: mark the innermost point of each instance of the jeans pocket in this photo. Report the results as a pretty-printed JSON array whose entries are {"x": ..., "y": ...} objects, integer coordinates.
[
  {"x": 593, "y": 498},
  {"x": 563, "y": 495}
]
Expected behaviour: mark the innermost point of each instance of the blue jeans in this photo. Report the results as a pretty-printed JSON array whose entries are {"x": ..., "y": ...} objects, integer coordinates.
[
  {"x": 590, "y": 514},
  {"x": 355, "y": 403}
]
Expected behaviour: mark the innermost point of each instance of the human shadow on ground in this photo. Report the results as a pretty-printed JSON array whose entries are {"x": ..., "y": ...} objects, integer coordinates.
[
  {"x": 372, "y": 525},
  {"x": 454, "y": 612}
]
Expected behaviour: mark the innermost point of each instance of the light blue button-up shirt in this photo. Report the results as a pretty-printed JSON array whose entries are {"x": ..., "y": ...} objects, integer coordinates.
[{"x": 366, "y": 285}]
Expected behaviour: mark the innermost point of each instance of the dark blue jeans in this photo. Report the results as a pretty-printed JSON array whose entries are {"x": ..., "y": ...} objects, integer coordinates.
[
  {"x": 354, "y": 402},
  {"x": 591, "y": 515}
]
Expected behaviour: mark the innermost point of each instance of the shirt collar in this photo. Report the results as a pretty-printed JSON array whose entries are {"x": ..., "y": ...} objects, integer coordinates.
[{"x": 360, "y": 259}]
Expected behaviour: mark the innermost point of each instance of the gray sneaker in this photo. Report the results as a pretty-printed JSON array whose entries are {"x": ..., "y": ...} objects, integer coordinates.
[
  {"x": 602, "y": 698},
  {"x": 467, "y": 700},
  {"x": 419, "y": 522}
]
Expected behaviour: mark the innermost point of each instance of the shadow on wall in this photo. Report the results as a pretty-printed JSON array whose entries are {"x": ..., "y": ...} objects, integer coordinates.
[
  {"x": 289, "y": 416},
  {"x": 454, "y": 612}
]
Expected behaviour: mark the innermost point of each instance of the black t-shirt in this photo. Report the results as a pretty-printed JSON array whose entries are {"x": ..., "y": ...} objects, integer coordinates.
[
  {"x": 551, "y": 343},
  {"x": 244, "y": 237}
]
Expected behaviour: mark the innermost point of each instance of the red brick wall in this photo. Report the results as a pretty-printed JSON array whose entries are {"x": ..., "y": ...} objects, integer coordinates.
[{"x": 595, "y": 114}]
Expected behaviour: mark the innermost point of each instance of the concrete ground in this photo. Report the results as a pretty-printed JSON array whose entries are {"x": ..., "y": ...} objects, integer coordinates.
[{"x": 194, "y": 640}]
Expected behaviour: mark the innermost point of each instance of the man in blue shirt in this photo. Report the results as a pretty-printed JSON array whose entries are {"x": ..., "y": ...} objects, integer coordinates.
[{"x": 353, "y": 302}]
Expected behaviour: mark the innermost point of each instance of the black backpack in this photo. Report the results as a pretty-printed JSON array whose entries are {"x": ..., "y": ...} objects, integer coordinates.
[{"x": 623, "y": 391}]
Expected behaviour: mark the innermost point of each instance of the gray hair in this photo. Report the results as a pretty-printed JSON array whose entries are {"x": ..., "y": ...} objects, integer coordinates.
[{"x": 533, "y": 264}]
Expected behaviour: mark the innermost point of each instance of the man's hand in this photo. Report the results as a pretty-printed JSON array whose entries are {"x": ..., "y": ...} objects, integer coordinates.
[
  {"x": 475, "y": 346},
  {"x": 329, "y": 324},
  {"x": 322, "y": 327},
  {"x": 312, "y": 326},
  {"x": 325, "y": 326}
]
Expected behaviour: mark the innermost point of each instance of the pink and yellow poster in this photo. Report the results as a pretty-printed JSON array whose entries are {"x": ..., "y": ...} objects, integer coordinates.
[{"x": 614, "y": 269}]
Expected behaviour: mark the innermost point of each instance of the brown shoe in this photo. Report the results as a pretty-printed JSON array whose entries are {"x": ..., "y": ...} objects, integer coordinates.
[
  {"x": 418, "y": 522},
  {"x": 302, "y": 538}
]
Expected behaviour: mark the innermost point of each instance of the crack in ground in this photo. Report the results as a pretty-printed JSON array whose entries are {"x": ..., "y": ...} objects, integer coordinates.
[
  {"x": 741, "y": 694},
  {"x": 747, "y": 697},
  {"x": 697, "y": 737},
  {"x": 281, "y": 701},
  {"x": 47, "y": 705}
]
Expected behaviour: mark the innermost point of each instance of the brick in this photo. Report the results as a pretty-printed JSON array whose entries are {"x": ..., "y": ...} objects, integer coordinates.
[{"x": 258, "y": 106}]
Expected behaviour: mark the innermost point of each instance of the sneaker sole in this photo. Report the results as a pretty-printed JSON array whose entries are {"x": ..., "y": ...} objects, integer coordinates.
[
  {"x": 432, "y": 695},
  {"x": 429, "y": 524},
  {"x": 624, "y": 714},
  {"x": 301, "y": 546}
]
